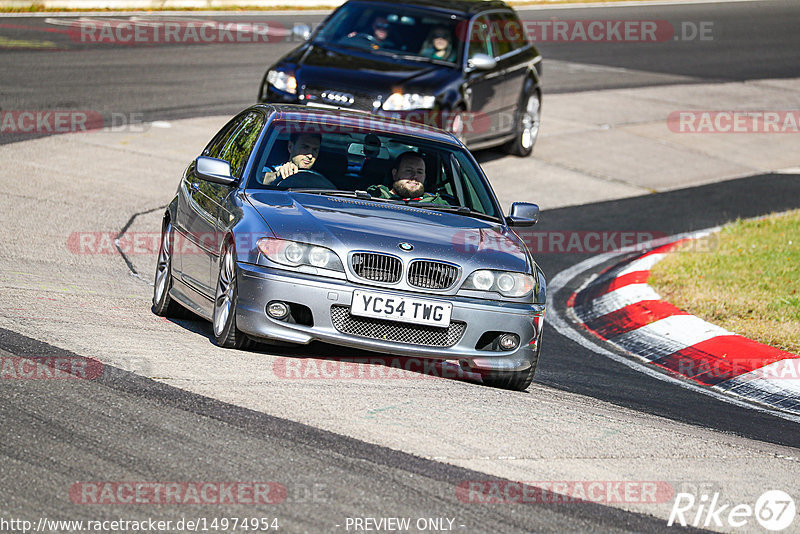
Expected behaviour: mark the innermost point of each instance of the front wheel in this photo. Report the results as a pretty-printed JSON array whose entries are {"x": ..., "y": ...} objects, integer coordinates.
[
  {"x": 527, "y": 129},
  {"x": 227, "y": 295}
]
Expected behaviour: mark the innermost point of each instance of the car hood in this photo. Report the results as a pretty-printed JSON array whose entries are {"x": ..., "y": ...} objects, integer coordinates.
[
  {"x": 330, "y": 67},
  {"x": 345, "y": 224}
]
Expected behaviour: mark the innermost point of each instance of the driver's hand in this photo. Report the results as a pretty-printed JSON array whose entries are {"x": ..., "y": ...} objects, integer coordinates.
[{"x": 287, "y": 169}]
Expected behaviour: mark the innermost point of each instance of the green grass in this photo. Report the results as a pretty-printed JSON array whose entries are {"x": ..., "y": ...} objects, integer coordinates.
[{"x": 745, "y": 279}]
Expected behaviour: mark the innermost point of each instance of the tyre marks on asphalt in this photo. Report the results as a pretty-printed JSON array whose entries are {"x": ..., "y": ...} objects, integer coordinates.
[{"x": 156, "y": 431}]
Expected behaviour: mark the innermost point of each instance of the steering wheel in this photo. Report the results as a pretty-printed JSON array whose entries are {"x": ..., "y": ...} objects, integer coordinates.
[
  {"x": 451, "y": 199},
  {"x": 307, "y": 178},
  {"x": 369, "y": 38}
]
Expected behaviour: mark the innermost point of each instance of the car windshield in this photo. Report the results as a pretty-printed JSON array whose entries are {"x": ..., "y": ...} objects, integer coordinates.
[
  {"x": 380, "y": 161},
  {"x": 395, "y": 30}
]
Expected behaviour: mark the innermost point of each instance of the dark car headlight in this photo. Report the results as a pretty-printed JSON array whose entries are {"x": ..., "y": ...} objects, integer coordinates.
[
  {"x": 295, "y": 254},
  {"x": 282, "y": 81},
  {"x": 507, "y": 283},
  {"x": 407, "y": 101}
]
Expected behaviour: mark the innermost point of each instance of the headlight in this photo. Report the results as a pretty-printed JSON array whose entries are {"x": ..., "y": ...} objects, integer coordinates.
[
  {"x": 282, "y": 81},
  {"x": 294, "y": 254},
  {"x": 400, "y": 102},
  {"x": 506, "y": 283}
]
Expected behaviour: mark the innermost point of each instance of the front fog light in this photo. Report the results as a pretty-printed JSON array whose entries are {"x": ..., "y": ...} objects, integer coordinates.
[
  {"x": 278, "y": 310},
  {"x": 509, "y": 341}
]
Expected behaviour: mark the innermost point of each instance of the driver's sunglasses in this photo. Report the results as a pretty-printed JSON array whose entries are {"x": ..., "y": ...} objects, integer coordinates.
[
  {"x": 440, "y": 36},
  {"x": 381, "y": 26}
]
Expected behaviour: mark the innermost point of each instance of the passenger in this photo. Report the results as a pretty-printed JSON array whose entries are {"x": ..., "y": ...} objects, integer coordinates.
[
  {"x": 439, "y": 45},
  {"x": 408, "y": 181},
  {"x": 303, "y": 152}
]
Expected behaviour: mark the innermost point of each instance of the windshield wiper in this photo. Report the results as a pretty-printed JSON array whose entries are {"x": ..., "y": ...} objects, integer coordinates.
[
  {"x": 458, "y": 210},
  {"x": 413, "y": 57},
  {"x": 361, "y": 195}
]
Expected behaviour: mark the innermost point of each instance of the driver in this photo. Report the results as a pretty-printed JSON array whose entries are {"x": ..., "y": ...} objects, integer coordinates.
[
  {"x": 380, "y": 34},
  {"x": 408, "y": 181},
  {"x": 303, "y": 152}
]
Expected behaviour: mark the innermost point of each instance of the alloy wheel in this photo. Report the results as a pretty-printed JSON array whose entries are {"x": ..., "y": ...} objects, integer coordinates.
[
  {"x": 530, "y": 122},
  {"x": 226, "y": 286}
]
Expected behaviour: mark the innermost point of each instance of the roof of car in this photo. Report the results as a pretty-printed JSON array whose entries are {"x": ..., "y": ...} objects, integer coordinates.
[
  {"x": 330, "y": 118},
  {"x": 466, "y": 7}
]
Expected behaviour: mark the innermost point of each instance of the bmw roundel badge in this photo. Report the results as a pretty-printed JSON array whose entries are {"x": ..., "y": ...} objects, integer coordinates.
[{"x": 406, "y": 246}]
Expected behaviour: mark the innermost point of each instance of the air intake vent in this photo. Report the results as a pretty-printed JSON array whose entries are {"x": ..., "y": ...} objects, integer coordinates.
[
  {"x": 432, "y": 274},
  {"x": 376, "y": 267}
]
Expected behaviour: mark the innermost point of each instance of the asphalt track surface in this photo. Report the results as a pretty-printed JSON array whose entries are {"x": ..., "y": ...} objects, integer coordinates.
[{"x": 124, "y": 427}]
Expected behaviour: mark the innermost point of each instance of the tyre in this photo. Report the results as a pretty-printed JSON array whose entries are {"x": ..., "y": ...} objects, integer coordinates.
[
  {"x": 513, "y": 380},
  {"x": 163, "y": 304},
  {"x": 227, "y": 296},
  {"x": 527, "y": 127}
]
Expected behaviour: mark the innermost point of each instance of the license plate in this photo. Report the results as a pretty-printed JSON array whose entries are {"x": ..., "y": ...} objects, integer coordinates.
[{"x": 400, "y": 308}]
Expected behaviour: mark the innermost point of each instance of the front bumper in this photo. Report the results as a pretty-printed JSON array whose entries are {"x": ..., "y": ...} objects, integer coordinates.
[
  {"x": 435, "y": 117},
  {"x": 260, "y": 285}
]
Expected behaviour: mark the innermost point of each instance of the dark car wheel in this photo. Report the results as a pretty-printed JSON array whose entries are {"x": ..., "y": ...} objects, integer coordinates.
[
  {"x": 514, "y": 380},
  {"x": 227, "y": 295},
  {"x": 163, "y": 304},
  {"x": 527, "y": 129}
]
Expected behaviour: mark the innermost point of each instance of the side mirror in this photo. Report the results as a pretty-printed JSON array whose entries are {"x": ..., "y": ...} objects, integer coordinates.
[
  {"x": 302, "y": 30},
  {"x": 214, "y": 170},
  {"x": 523, "y": 214},
  {"x": 481, "y": 62}
]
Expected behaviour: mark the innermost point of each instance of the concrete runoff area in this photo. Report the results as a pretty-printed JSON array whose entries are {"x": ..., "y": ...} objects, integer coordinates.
[{"x": 596, "y": 145}]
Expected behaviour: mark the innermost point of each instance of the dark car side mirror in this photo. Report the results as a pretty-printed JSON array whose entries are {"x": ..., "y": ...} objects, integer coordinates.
[
  {"x": 481, "y": 62},
  {"x": 523, "y": 214},
  {"x": 214, "y": 170},
  {"x": 302, "y": 30}
]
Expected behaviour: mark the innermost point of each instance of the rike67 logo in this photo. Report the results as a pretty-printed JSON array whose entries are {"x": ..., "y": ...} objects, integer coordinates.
[{"x": 774, "y": 510}]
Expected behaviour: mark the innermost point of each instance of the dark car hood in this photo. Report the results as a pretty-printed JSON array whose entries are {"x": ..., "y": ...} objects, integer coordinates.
[
  {"x": 330, "y": 67},
  {"x": 345, "y": 224}
]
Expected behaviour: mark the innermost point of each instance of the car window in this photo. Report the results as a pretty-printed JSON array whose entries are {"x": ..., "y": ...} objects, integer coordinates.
[
  {"x": 362, "y": 158},
  {"x": 395, "y": 30},
  {"x": 516, "y": 31},
  {"x": 506, "y": 35},
  {"x": 480, "y": 38},
  {"x": 239, "y": 146},
  {"x": 218, "y": 143}
]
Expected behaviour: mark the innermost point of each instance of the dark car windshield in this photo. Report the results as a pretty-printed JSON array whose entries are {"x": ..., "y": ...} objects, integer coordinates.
[
  {"x": 396, "y": 30},
  {"x": 346, "y": 159}
]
